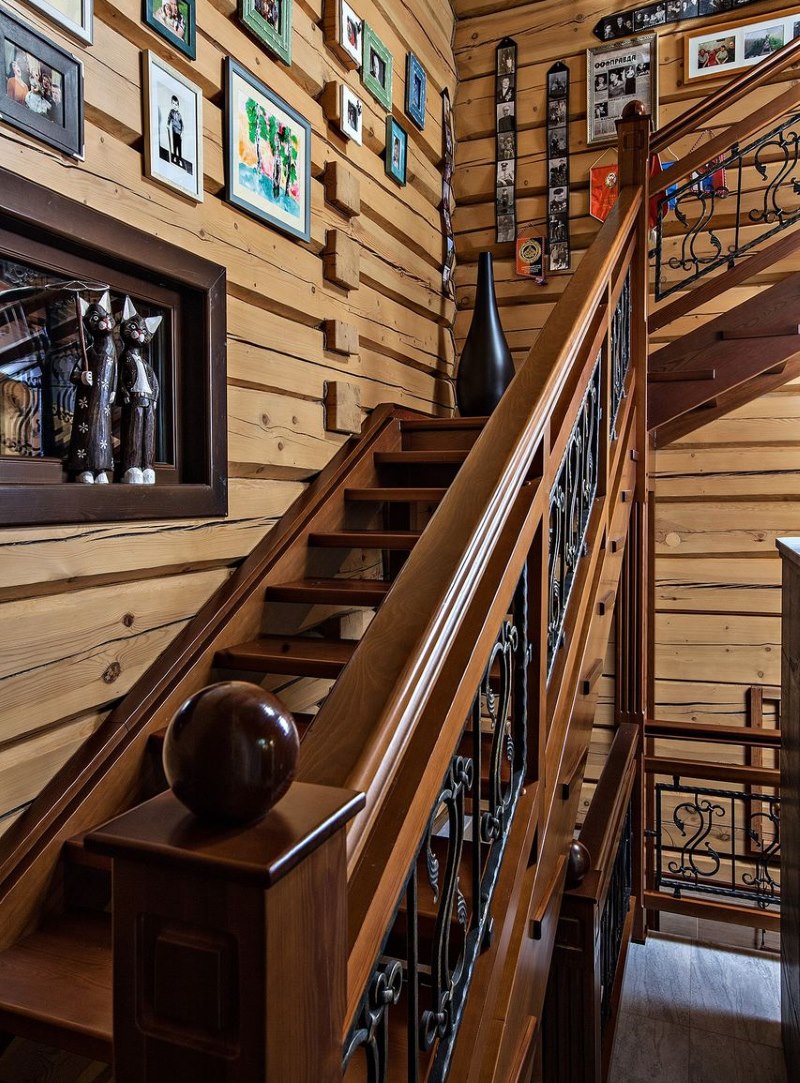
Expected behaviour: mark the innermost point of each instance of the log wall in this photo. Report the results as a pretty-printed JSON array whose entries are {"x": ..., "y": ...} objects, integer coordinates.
[{"x": 84, "y": 610}]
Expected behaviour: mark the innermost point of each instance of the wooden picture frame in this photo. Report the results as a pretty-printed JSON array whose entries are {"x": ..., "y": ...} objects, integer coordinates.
[
  {"x": 272, "y": 184},
  {"x": 43, "y": 96},
  {"x": 376, "y": 68},
  {"x": 719, "y": 49},
  {"x": 175, "y": 21},
  {"x": 416, "y": 90},
  {"x": 271, "y": 22},
  {"x": 617, "y": 73},
  {"x": 343, "y": 31},
  {"x": 396, "y": 155},
  {"x": 61, "y": 13},
  {"x": 173, "y": 159}
]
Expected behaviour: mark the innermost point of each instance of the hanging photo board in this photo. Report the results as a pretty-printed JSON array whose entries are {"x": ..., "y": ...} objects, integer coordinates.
[
  {"x": 558, "y": 234},
  {"x": 448, "y": 164},
  {"x": 506, "y": 141},
  {"x": 649, "y": 16}
]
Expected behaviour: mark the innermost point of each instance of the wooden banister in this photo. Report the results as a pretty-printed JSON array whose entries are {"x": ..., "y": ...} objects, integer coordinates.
[
  {"x": 701, "y": 114},
  {"x": 728, "y": 773},
  {"x": 729, "y": 735}
]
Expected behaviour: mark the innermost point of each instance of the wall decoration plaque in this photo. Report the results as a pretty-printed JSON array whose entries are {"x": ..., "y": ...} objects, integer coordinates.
[
  {"x": 615, "y": 75},
  {"x": 506, "y": 141}
]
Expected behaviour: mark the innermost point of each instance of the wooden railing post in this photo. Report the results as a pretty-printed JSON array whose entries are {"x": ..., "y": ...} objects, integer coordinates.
[
  {"x": 230, "y": 943},
  {"x": 634, "y": 613}
]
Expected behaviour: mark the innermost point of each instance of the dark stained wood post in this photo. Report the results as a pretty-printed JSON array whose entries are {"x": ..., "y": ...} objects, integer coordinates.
[
  {"x": 635, "y": 606},
  {"x": 230, "y": 944}
]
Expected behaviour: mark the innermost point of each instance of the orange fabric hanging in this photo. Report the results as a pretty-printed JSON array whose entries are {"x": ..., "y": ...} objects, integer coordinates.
[{"x": 604, "y": 190}]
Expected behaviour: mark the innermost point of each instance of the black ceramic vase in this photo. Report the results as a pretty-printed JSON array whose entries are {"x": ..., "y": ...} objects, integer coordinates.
[{"x": 486, "y": 368}]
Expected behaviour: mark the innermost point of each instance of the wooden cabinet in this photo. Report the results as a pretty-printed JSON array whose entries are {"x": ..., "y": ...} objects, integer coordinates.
[{"x": 790, "y": 802}]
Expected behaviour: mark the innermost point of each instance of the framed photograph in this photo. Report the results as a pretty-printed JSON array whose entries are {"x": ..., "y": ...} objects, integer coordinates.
[
  {"x": 416, "y": 90},
  {"x": 267, "y": 154},
  {"x": 396, "y": 151},
  {"x": 173, "y": 128},
  {"x": 351, "y": 115},
  {"x": 175, "y": 21},
  {"x": 376, "y": 68},
  {"x": 271, "y": 22},
  {"x": 615, "y": 75},
  {"x": 343, "y": 31},
  {"x": 718, "y": 50},
  {"x": 41, "y": 93},
  {"x": 76, "y": 16}
]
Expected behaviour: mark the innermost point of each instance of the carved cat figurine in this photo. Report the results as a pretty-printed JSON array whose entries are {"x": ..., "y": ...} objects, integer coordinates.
[
  {"x": 90, "y": 451},
  {"x": 139, "y": 391}
]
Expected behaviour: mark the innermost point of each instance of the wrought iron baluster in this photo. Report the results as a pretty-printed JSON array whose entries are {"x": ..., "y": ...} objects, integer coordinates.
[{"x": 372, "y": 1029}]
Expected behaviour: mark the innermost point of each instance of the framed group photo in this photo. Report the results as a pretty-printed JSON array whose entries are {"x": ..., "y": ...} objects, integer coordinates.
[
  {"x": 718, "y": 50},
  {"x": 615, "y": 75},
  {"x": 175, "y": 21},
  {"x": 271, "y": 22},
  {"x": 42, "y": 90},
  {"x": 76, "y": 16},
  {"x": 267, "y": 154},
  {"x": 173, "y": 128}
]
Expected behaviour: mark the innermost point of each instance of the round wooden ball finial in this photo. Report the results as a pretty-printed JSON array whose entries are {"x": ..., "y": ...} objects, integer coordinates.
[
  {"x": 579, "y": 862},
  {"x": 230, "y": 752},
  {"x": 634, "y": 109}
]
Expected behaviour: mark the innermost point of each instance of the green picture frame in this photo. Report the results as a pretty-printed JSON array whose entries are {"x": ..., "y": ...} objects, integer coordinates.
[
  {"x": 376, "y": 68},
  {"x": 271, "y": 22}
]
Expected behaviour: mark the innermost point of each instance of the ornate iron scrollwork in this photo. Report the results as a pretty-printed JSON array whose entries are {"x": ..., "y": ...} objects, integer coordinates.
[
  {"x": 775, "y": 156},
  {"x": 620, "y": 351},
  {"x": 571, "y": 502},
  {"x": 497, "y": 708},
  {"x": 372, "y": 1029}
]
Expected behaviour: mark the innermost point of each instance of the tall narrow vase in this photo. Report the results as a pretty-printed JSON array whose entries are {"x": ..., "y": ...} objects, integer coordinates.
[{"x": 486, "y": 368}]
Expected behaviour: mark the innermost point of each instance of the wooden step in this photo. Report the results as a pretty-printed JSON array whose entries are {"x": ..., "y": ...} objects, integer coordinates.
[
  {"x": 442, "y": 424},
  {"x": 297, "y": 655},
  {"x": 55, "y": 985},
  {"x": 365, "y": 539},
  {"x": 430, "y": 457},
  {"x": 369, "y": 592},
  {"x": 441, "y": 434},
  {"x": 396, "y": 495}
]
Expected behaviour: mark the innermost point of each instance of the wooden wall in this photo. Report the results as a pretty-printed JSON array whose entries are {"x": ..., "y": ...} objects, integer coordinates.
[{"x": 84, "y": 610}]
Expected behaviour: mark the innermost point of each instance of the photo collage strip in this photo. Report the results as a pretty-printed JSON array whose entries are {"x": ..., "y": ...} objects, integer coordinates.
[
  {"x": 506, "y": 169},
  {"x": 649, "y": 16},
  {"x": 449, "y": 265},
  {"x": 558, "y": 239}
]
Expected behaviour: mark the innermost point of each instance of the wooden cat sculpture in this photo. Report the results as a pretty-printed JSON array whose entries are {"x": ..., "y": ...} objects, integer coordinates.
[
  {"x": 90, "y": 456},
  {"x": 139, "y": 390}
]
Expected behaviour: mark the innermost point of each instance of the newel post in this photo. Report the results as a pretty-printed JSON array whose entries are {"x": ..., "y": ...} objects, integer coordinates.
[
  {"x": 634, "y": 608},
  {"x": 230, "y": 941}
]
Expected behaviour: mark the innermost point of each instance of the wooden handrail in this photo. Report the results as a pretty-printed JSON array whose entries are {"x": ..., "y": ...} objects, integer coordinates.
[
  {"x": 704, "y": 111},
  {"x": 729, "y": 735},
  {"x": 605, "y": 819}
]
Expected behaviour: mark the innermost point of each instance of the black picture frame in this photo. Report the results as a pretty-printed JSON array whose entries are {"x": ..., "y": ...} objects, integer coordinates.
[
  {"x": 18, "y": 40},
  {"x": 187, "y": 44}
]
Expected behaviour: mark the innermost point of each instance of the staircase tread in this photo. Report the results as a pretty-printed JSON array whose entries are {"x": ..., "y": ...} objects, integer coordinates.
[
  {"x": 396, "y": 493},
  {"x": 284, "y": 654},
  {"x": 411, "y": 458},
  {"x": 434, "y": 423},
  {"x": 365, "y": 539},
  {"x": 61, "y": 976},
  {"x": 358, "y": 591}
]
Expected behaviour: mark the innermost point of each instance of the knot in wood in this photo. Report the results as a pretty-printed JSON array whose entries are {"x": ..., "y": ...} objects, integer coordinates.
[{"x": 112, "y": 672}]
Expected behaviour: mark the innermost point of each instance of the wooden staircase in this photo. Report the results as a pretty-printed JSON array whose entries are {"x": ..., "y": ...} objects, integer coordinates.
[{"x": 56, "y": 982}]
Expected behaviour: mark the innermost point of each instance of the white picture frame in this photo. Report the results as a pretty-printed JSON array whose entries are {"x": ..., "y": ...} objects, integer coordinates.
[
  {"x": 75, "y": 16},
  {"x": 351, "y": 114},
  {"x": 351, "y": 31},
  {"x": 720, "y": 49},
  {"x": 618, "y": 73},
  {"x": 173, "y": 157}
]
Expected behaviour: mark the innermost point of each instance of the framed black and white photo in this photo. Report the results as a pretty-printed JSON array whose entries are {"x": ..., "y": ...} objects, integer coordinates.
[
  {"x": 416, "y": 90},
  {"x": 76, "y": 16},
  {"x": 616, "y": 74},
  {"x": 351, "y": 114},
  {"x": 42, "y": 90},
  {"x": 271, "y": 22},
  {"x": 396, "y": 151},
  {"x": 173, "y": 128},
  {"x": 175, "y": 21},
  {"x": 343, "y": 30},
  {"x": 376, "y": 68}
]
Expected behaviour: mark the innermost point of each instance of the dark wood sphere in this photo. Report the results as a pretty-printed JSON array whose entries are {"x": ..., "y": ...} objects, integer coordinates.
[
  {"x": 230, "y": 752},
  {"x": 633, "y": 109},
  {"x": 579, "y": 862}
]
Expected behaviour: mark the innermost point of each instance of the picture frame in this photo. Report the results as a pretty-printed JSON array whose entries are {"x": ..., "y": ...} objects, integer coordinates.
[
  {"x": 351, "y": 114},
  {"x": 376, "y": 68},
  {"x": 396, "y": 156},
  {"x": 172, "y": 158},
  {"x": 343, "y": 31},
  {"x": 618, "y": 73},
  {"x": 718, "y": 49},
  {"x": 175, "y": 21},
  {"x": 271, "y": 22},
  {"x": 75, "y": 16},
  {"x": 42, "y": 90},
  {"x": 271, "y": 183},
  {"x": 416, "y": 90}
]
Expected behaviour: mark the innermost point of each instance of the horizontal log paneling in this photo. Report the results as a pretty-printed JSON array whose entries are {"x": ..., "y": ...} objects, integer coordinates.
[{"x": 65, "y": 590}]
